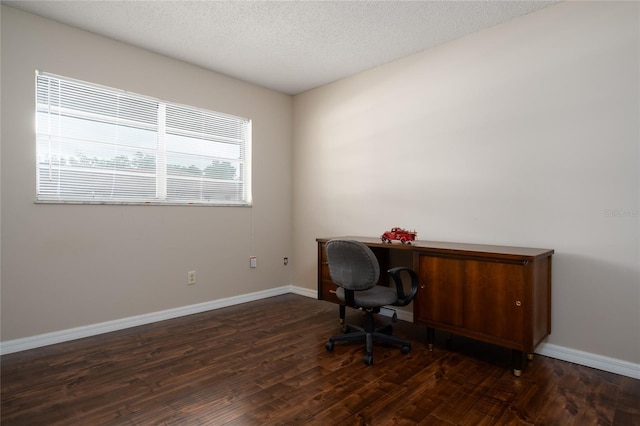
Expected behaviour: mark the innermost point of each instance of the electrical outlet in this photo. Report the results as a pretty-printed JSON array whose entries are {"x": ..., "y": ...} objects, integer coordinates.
[
  {"x": 191, "y": 277},
  {"x": 253, "y": 262}
]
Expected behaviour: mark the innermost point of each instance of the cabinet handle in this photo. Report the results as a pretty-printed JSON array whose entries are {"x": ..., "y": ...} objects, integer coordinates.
[{"x": 518, "y": 303}]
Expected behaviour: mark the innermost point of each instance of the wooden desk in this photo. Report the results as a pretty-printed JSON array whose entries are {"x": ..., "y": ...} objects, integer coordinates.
[{"x": 497, "y": 294}]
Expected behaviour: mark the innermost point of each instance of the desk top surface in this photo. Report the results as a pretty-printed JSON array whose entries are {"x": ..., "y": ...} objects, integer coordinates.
[{"x": 443, "y": 247}]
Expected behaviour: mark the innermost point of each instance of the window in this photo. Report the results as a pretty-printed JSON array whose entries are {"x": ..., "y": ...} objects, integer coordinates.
[{"x": 101, "y": 145}]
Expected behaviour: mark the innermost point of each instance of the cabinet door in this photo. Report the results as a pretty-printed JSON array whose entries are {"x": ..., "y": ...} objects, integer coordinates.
[
  {"x": 440, "y": 296},
  {"x": 494, "y": 299}
]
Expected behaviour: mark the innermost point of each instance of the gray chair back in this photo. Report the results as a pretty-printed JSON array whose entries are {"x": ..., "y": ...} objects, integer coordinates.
[{"x": 352, "y": 265}]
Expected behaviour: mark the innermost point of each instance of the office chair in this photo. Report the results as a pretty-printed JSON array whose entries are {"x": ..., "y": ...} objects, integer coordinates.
[{"x": 355, "y": 270}]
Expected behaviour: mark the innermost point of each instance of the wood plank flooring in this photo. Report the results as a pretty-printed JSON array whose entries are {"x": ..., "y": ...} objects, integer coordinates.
[{"x": 264, "y": 363}]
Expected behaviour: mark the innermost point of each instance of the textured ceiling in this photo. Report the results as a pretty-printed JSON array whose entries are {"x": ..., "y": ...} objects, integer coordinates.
[{"x": 287, "y": 46}]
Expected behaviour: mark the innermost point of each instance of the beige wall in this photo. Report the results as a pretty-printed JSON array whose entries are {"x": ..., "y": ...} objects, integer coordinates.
[
  {"x": 524, "y": 134},
  {"x": 66, "y": 266}
]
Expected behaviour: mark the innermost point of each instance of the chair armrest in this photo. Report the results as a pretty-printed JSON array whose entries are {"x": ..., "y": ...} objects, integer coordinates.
[{"x": 395, "y": 273}]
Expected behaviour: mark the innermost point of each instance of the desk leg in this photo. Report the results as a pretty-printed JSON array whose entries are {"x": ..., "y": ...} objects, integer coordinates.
[
  {"x": 516, "y": 357},
  {"x": 431, "y": 337}
]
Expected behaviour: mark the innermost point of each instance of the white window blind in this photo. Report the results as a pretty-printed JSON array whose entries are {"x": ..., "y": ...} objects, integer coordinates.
[{"x": 101, "y": 145}]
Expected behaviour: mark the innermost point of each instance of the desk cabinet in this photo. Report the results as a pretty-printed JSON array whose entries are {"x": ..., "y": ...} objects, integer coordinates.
[
  {"x": 496, "y": 294},
  {"x": 506, "y": 302}
]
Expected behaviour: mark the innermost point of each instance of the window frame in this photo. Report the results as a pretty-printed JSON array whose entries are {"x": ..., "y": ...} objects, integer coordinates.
[{"x": 232, "y": 151}]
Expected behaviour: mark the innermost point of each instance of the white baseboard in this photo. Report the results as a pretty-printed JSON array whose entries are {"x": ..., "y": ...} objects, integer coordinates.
[
  {"x": 600, "y": 362},
  {"x": 46, "y": 339},
  {"x": 304, "y": 291},
  {"x": 612, "y": 365}
]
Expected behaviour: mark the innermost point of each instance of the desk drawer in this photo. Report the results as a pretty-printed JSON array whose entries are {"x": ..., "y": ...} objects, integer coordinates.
[{"x": 329, "y": 292}]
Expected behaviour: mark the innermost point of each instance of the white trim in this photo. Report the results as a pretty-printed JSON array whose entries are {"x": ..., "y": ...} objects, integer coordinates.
[
  {"x": 600, "y": 362},
  {"x": 404, "y": 315},
  {"x": 304, "y": 292},
  {"x": 46, "y": 339},
  {"x": 612, "y": 365}
]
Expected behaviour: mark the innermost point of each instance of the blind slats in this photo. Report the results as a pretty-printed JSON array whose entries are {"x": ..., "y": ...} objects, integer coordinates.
[{"x": 103, "y": 145}]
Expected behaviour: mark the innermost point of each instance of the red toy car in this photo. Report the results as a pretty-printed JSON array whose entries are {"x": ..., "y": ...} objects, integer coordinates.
[{"x": 402, "y": 235}]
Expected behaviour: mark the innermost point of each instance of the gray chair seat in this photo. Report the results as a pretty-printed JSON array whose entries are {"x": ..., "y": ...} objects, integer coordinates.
[{"x": 374, "y": 297}]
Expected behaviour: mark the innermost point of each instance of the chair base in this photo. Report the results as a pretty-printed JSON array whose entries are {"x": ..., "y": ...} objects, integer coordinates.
[{"x": 369, "y": 335}]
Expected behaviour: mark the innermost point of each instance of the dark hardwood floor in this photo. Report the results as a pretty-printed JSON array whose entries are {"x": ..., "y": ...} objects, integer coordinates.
[{"x": 264, "y": 363}]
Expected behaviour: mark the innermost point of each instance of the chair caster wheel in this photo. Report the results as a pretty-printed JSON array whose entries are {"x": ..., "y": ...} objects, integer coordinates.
[
  {"x": 405, "y": 350},
  {"x": 368, "y": 359},
  {"x": 328, "y": 346}
]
